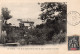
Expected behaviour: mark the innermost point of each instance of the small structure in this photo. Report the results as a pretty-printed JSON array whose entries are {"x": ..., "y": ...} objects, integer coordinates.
[{"x": 29, "y": 22}]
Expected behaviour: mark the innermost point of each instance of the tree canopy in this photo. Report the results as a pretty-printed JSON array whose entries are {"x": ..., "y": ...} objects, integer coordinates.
[
  {"x": 54, "y": 14},
  {"x": 53, "y": 10},
  {"x": 6, "y": 13}
]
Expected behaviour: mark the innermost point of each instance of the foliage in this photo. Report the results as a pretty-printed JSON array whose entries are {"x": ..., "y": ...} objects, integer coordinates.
[
  {"x": 54, "y": 16},
  {"x": 6, "y": 13},
  {"x": 59, "y": 38},
  {"x": 54, "y": 11},
  {"x": 53, "y": 30}
]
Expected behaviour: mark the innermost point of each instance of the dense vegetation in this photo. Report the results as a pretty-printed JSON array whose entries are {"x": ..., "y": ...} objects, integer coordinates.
[{"x": 52, "y": 30}]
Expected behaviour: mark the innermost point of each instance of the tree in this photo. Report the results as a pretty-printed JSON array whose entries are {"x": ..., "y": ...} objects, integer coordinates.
[
  {"x": 6, "y": 13},
  {"x": 51, "y": 10},
  {"x": 54, "y": 14},
  {"x": 5, "y": 16}
]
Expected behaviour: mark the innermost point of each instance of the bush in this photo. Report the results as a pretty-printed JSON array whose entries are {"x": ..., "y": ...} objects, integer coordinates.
[{"x": 59, "y": 38}]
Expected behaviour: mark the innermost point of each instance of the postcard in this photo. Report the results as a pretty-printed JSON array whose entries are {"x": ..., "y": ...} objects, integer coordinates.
[{"x": 39, "y": 27}]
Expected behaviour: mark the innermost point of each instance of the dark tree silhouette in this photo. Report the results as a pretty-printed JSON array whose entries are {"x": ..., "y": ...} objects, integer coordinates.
[
  {"x": 6, "y": 13},
  {"x": 54, "y": 14},
  {"x": 5, "y": 16},
  {"x": 55, "y": 11}
]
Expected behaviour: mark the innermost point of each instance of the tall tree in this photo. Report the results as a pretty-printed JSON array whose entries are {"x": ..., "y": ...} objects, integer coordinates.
[
  {"x": 6, "y": 14},
  {"x": 54, "y": 14}
]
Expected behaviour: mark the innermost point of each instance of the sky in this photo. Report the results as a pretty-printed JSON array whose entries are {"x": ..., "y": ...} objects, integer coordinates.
[{"x": 22, "y": 10}]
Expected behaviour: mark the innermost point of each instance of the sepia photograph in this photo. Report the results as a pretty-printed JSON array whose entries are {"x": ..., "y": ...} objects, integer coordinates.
[{"x": 40, "y": 23}]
